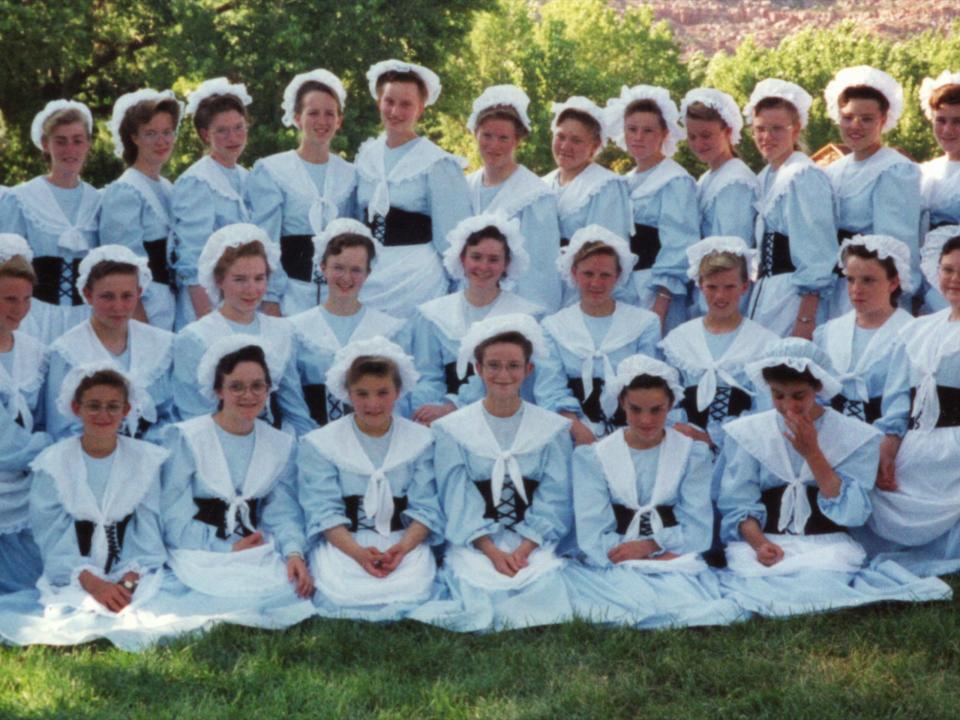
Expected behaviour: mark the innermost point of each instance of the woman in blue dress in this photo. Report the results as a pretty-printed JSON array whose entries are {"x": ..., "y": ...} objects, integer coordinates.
[
  {"x": 234, "y": 270},
  {"x": 643, "y": 121},
  {"x": 369, "y": 494},
  {"x": 344, "y": 254},
  {"x": 409, "y": 191},
  {"x": 918, "y": 511},
  {"x": 499, "y": 122},
  {"x": 23, "y": 369},
  {"x": 795, "y": 237},
  {"x": 641, "y": 500},
  {"x": 588, "y": 339},
  {"x": 295, "y": 194},
  {"x": 940, "y": 177},
  {"x": 136, "y": 210},
  {"x": 112, "y": 279},
  {"x": 210, "y": 193},
  {"x": 503, "y": 476},
  {"x": 58, "y": 214},
  {"x": 795, "y": 479},
  {"x": 485, "y": 251},
  {"x": 877, "y": 189}
]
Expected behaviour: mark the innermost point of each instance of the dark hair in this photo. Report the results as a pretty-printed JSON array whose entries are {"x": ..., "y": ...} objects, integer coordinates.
[
  {"x": 585, "y": 119},
  {"x": 395, "y": 76},
  {"x": 110, "y": 267},
  {"x": 212, "y": 106},
  {"x": 786, "y": 374},
  {"x": 254, "y": 248},
  {"x": 503, "y": 112},
  {"x": 228, "y": 363},
  {"x": 314, "y": 86},
  {"x": 65, "y": 116},
  {"x": 110, "y": 378},
  {"x": 341, "y": 242},
  {"x": 595, "y": 247},
  {"x": 945, "y": 95},
  {"x": 647, "y": 106},
  {"x": 139, "y": 115},
  {"x": 375, "y": 365},
  {"x": 863, "y": 92},
  {"x": 18, "y": 267},
  {"x": 950, "y": 246},
  {"x": 490, "y": 232},
  {"x": 886, "y": 263},
  {"x": 513, "y": 337},
  {"x": 648, "y": 382}
]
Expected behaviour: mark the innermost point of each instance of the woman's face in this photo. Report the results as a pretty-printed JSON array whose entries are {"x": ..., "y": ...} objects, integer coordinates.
[
  {"x": 950, "y": 278},
  {"x": 868, "y": 286},
  {"x": 15, "y": 296},
  {"x": 484, "y": 264},
  {"x": 244, "y": 391},
  {"x": 574, "y": 145},
  {"x": 345, "y": 273},
  {"x": 401, "y": 106},
  {"x": 946, "y": 129},
  {"x": 68, "y": 146},
  {"x": 319, "y": 118},
  {"x": 373, "y": 398},
  {"x": 775, "y": 133},
  {"x": 709, "y": 140},
  {"x": 861, "y": 124},
  {"x": 646, "y": 411},
  {"x": 113, "y": 299},
  {"x": 643, "y": 135},
  {"x": 244, "y": 284},
  {"x": 503, "y": 370},
  {"x": 101, "y": 409},
  {"x": 154, "y": 140},
  {"x": 596, "y": 277},
  {"x": 226, "y": 137},
  {"x": 794, "y": 398},
  {"x": 497, "y": 142},
  {"x": 722, "y": 292}
]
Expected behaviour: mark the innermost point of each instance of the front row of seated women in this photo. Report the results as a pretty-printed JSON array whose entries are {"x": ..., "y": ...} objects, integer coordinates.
[{"x": 251, "y": 527}]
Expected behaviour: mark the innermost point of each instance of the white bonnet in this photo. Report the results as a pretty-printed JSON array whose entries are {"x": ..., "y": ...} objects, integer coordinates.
[
  {"x": 798, "y": 354},
  {"x": 377, "y": 346},
  {"x": 930, "y": 252},
  {"x": 719, "y": 244},
  {"x": 595, "y": 233},
  {"x": 884, "y": 246},
  {"x": 216, "y": 86},
  {"x": 499, "y": 95},
  {"x": 429, "y": 77},
  {"x": 641, "y": 364},
  {"x": 457, "y": 239},
  {"x": 232, "y": 235},
  {"x": 220, "y": 348},
  {"x": 116, "y": 253},
  {"x": 871, "y": 77},
  {"x": 36, "y": 127},
  {"x": 931, "y": 85},
  {"x": 342, "y": 226},
  {"x": 720, "y": 101},
  {"x": 774, "y": 88},
  {"x": 584, "y": 105},
  {"x": 12, "y": 244},
  {"x": 496, "y": 325},
  {"x": 617, "y": 106},
  {"x": 129, "y": 100},
  {"x": 324, "y": 77},
  {"x": 79, "y": 373}
]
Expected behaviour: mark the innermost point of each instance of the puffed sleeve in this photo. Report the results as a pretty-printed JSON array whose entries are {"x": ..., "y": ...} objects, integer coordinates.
[
  {"x": 739, "y": 491},
  {"x": 540, "y": 227},
  {"x": 461, "y": 502},
  {"x": 265, "y": 200},
  {"x": 550, "y": 518},
  {"x": 649, "y": 341},
  {"x": 320, "y": 492},
  {"x": 11, "y": 216},
  {"x": 423, "y": 501},
  {"x": 693, "y": 532},
  {"x": 550, "y": 382},
  {"x": 428, "y": 357},
  {"x": 120, "y": 217},
  {"x": 895, "y": 406},
  {"x": 679, "y": 229},
  {"x": 596, "y": 524},
  {"x": 449, "y": 199},
  {"x": 188, "y": 349},
  {"x": 734, "y": 213},
  {"x": 896, "y": 210},
  {"x": 53, "y": 531},
  {"x": 58, "y": 425},
  {"x": 808, "y": 216},
  {"x": 18, "y": 446},
  {"x": 857, "y": 473},
  {"x": 193, "y": 207},
  {"x": 283, "y": 516},
  {"x": 610, "y": 207}
]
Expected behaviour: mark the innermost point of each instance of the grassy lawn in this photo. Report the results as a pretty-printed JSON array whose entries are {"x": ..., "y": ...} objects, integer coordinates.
[{"x": 890, "y": 661}]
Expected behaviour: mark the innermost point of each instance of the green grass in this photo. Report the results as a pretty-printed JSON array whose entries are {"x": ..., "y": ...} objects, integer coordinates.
[{"x": 888, "y": 661}]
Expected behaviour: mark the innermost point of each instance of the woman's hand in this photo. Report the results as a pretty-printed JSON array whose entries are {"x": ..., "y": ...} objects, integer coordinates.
[
  {"x": 113, "y": 596},
  {"x": 392, "y": 557},
  {"x": 582, "y": 435},
  {"x": 371, "y": 560},
  {"x": 200, "y": 300},
  {"x": 508, "y": 564},
  {"x": 299, "y": 575},
  {"x": 270, "y": 308},
  {"x": 661, "y": 306},
  {"x": 250, "y": 541},
  {"x": 806, "y": 321},
  {"x": 694, "y": 433},
  {"x": 769, "y": 553},
  {"x": 802, "y": 434},
  {"x": 426, "y": 414},
  {"x": 633, "y": 550},
  {"x": 886, "y": 472}
]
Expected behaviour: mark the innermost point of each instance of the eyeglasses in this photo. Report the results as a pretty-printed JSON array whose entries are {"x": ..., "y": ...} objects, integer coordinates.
[
  {"x": 152, "y": 136},
  {"x": 94, "y": 407},
  {"x": 257, "y": 387}
]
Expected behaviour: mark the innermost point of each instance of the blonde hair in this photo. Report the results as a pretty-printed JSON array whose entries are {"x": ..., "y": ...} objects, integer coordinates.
[
  {"x": 717, "y": 262},
  {"x": 230, "y": 255},
  {"x": 18, "y": 267}
]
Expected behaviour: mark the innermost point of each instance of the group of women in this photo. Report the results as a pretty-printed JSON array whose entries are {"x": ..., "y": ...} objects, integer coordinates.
[{"x": 384, "y": 389}]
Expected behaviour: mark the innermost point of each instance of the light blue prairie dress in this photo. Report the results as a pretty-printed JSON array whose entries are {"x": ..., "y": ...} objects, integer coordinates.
[{"x": 940, "y": 194}]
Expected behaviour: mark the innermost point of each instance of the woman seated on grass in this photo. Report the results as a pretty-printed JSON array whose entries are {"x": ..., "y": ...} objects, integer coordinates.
[
  {"x": 641, "y": 498},
  {"x": 368, "y": 491},
  {"x": 795, "y": 479}
]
